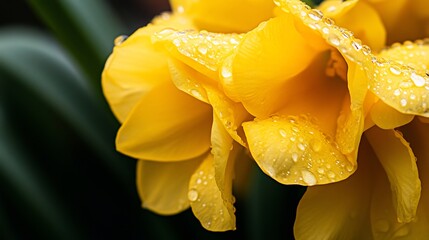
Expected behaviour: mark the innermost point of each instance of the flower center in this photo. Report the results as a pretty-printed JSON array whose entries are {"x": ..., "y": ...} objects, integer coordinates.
[{"x": 336, "y": 66}]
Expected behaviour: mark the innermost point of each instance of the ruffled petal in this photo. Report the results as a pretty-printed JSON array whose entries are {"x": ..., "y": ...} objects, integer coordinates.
[
  {"x": 339, "y": 210},
  {"x": 230, "y": 113},
  {"x": 207, "y": 201},
  {"x": 295, "y": 151},
  {"x": 163, "y": 187},
  {"x": 360, "y": 18},
  {"x": 188, "y": 80},
  {"x": 386, "y": 117},
  {"x": 400, "y": 86},
  {"x": 202, "y": 51},
  {"x": 128, "y": 74},
  {"x": 167, "y": 125},
  {"x": 222, "y": 15},
  {"x": 403, "y": 19},
  {"x": 399, "y": 163},
  {"x": 383, "y": 212},
  {"x": 351, "y": 120},
  {"x": 265, "y": 60}
]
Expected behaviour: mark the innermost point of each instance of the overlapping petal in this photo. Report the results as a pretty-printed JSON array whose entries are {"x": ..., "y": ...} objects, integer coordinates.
[
  {"x": 167, "y": 125},
  {"x": 294, "y": 151},
  {"x": 207, "y": 201},
  {"x": 226, "y": 16},
  {"x": 163, "y": 186},
  {"x": 125, "y": 79},
  {"x": 399, "y": 163},
  {"x": 339, "y": 210}
]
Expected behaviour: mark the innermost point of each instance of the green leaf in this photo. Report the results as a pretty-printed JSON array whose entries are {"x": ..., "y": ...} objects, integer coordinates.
[
  {"x": 86, "y": 28},
  {"x": 35, "y": 62}
]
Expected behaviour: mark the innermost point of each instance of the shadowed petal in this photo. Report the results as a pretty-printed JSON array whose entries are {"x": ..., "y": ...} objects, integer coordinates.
[{"x": 163, "y": 186}]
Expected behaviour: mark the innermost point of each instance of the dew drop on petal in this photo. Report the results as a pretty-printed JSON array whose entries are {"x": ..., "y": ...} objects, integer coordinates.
[
  {"x": 315, "y": 14},
  {"x": 283, "y": 133},
  {"x": 295, "y": 157},
  {"x": 192, "y": 195},
  {"x": 120, "y": 39},
  {"x": 419, "y": 81},
  {"x": 308, "y": 178}
]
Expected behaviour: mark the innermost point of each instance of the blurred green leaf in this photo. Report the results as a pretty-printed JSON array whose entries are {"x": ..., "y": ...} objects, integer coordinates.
[
  {"x": 86, "y": 28},
  {"x": 35, "y": 62},
  {"x": 271, "y": 208},
  {"x": 25, "y": 186}
]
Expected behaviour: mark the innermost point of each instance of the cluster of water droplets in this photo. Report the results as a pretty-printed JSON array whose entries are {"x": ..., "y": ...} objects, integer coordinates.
[
  {"x": 205, "y": 48},
  {"x": 404, "y": 87},
  {"x": 295, "y": 151},
  {"x": 202, "y": 196}
]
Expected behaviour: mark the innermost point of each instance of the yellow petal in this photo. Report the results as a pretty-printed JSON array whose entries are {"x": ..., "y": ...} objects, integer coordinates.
[
  {"x": 399, "y": 162},
  {"x": 383, "y": 212},
  {"x": 128, "y": 73},
  {"x": 203, "y": 51},
  {"x": 266, "y": 58},
  {"x": 227, "y": 16},
  {"x": 207, "y": 203},
  {"x": 188, "y": 80},
  {"x": 163, "y": 187},
  {"x": 399, "y": 86},
  {"x": 387, "y": 117},
  {"x": 360, "y": 18},
  {"x": 403, "y": 19},
  {"x": 230, "y": 113},
  {"x": 339, "y": 210},
  {"x": 294, "y": 151},
  {"x": 167, "y": 125},
  {"x": 225, "y": 152},
  {"x": 351, "y": 120}
]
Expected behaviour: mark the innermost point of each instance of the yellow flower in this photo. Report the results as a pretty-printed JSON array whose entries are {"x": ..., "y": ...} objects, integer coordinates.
[
  {"x": 307, "y": 97},
  {"x": 175, "y": 120}
]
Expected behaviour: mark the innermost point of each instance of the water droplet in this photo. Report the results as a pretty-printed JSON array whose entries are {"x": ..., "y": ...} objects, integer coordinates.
[
  {"x": 403, "y": 102},
  {"x": 120, "y": 39},
  {"x": 308, "y": 178},
  {"x": 316, "y": 145},
  {"x": 331, "y": 175},
  {"x": 202, "y": 49},
  {"x": 295, "y": 157},
  {"x": 334, "y": 40},
  {"x": 196, "y": 94},
  {"x": 418, "y": 80},
  {"x": 192, "y": 195},
  {"x": 357, "y": 45},
  {"x": 226, "y": 72},
  {"x": 321, "y": 170},
  {"x": 301, "y": 146},
  {"x": 283, "y": 133},
  {"x": 199, "y": 181},
  {"x": 350, "y": 168},
  {"x": 395, "y": 70},
  {"x": 397, "y": 92},
  {"x": 315, "y": 14}
]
